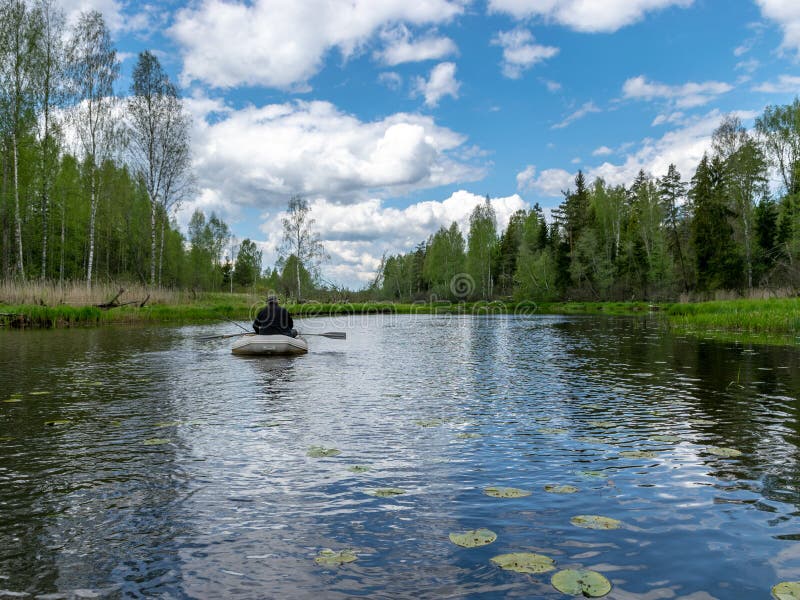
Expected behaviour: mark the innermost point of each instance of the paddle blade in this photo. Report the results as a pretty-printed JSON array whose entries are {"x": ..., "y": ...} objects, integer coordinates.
[{"x": 334, "y": 335}]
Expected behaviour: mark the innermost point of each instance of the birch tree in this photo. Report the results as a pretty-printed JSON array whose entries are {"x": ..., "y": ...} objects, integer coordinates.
[
  {"x": 159, "y": 149},
  {"x": 92, "y": 70},
  {"x": 50, "y": 88},
  {"x": 301, "y": 241},
  {"x": 19, "y": 30}
]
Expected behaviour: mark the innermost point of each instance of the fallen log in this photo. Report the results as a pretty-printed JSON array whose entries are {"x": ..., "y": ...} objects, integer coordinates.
[{"x": 113, "y": 302}]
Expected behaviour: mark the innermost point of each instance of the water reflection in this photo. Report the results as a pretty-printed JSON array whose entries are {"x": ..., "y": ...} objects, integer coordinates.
[{"x": 138, "y": 462}]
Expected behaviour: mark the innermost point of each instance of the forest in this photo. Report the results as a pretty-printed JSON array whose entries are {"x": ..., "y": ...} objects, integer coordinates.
[
  {"x": 659, "y": 238},
  {"x": 90, "y": 182}
]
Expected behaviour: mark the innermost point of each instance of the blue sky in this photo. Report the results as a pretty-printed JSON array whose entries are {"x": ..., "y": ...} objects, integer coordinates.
[{"x": 394, "y": 117}]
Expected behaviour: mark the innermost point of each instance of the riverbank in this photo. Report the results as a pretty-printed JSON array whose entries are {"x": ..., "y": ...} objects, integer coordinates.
[{"x": 771, "y": 321}]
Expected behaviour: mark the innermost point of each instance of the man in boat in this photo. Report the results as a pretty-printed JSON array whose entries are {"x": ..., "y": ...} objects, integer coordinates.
[{"x": 273, "y": 319}]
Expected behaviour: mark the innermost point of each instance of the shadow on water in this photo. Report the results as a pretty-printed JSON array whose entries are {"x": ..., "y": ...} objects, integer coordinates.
[{"x": 142, "y": 462}]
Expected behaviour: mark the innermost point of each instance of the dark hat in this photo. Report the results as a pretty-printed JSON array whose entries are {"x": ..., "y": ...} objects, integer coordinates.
[{"x": 272, "y": 299}]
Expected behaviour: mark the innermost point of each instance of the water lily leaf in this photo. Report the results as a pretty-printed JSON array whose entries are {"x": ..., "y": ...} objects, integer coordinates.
[
  {"x": 358, "y": 469},
  {"x": 156, "y": 441},
  {"x": 669, "y": 439},
  {"x": 321, "y": 452},
  {"x": 6, "y": 438},
  {"x": 468, "y": 436},
  {"x": 638, "y": 454},
  {"x": 331, "y": 558},
  {"x": 12, "y": 400},
  {"x": 786, "y": 590},
  {"x": 603, "y": 424},
  {"x": 560, "y": 489},
  {"x": 40, "y": 393},
  {"x": 595, "y": 522},
  {"x": 598, "y": 474},
  {"x": 387, "y": 492},
  {"x": 553, "y": 430},
  {"x": 588, "y": 439},
  {"x": 506, "y": 492},
  {"x": 525, "y": 562},
  {"x": 473, "y": 538},
  {"x": 724, "y": 452},
  {"x": 429, "y": 422},
  {"x": 581, "y": 582},
  {"x": 57, "y": 422}
]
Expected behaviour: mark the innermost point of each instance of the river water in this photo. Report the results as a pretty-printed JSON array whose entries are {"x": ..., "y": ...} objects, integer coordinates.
[{"x": 141, "y": 462}]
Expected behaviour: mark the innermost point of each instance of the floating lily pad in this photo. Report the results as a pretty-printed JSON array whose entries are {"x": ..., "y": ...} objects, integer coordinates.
[
  {"x": 724, "y": 452},
  {"x": 669, "y": 439},
  {"x": 358, "y": 469},
  {"x": 638, "y": 454},
  {"x": 506, "y": 492},
  {"x": 603, "y": 424},
  {"x": 6, "y": 438},
  {"x": 387, "y": 492},
  {"x": 786, "y": 590},
  {"x": 156, "y": 441},
  {"x": 468, "y": 436},
  {"x": 525, "y": 562},
  {"x": 56, "y": 422},
  {"x": 331, "y": 558},
  {"x": 552, "y": 430},
  {"x": 595, "y": 522},
  {"x": 581, "y": 582},
  {"x": 429, "y": 422},
  {"x": 12, "y": 400},
  {"x": 560, "y": 489},
  {"x": 595, "y": 474},
  {"x": 321, "y": 452},
  {"x": 590, "y": 439},
  {"x": 473, "y": 538},
  {"x": 40, "y": 393}
]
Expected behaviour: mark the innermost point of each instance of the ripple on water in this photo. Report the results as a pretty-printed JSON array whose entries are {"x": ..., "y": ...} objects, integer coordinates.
[{"x": 229, "y": 503}]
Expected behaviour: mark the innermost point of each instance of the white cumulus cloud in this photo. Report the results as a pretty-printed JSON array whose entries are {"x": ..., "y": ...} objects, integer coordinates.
[
  {"x": 520, "y": 52},
  {"x": 258, "y": 156},
  {"x": 441, "y": 82},
  {"x": 357, "y": 235},
  {"x": 400, "y": 47},
  {"x": 549, "y": 183},
  {"x": 587, "y": 108},
  {"x": 283, "y": 43},
  {"x": 786, "y": 13},
  {"x": 687, "y": 95},
  {"x": 585, "y": 15},
  {"x": 786, "y": 84}
]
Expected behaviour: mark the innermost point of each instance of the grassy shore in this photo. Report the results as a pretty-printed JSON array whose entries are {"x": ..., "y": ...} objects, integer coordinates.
[
  {"x": 774, "y": 321},
  {"x": 771, "y": 321}
]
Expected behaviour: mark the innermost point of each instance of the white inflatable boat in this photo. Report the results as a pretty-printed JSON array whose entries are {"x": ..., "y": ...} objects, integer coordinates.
[{"x": 269, "y": 345}]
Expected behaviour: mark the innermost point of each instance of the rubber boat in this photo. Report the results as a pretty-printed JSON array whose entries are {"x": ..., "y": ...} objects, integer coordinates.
[{"x": 269, "y": 345}]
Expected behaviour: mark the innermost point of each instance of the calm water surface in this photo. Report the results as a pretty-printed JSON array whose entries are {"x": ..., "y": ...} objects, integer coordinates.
[{"x": 144, "y": 463}]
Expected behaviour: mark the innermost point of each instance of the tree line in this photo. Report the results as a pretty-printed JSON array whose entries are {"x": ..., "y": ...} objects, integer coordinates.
[
  {"x": 657, "y": 238},
  {"x": 89, "y": 181}
]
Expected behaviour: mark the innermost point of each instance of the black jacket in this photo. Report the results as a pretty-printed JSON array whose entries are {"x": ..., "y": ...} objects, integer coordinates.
[{"x": 273, "y": 320}]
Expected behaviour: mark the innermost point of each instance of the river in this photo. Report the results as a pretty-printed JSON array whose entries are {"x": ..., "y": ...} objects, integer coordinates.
[{"x": 139, "y": 462}]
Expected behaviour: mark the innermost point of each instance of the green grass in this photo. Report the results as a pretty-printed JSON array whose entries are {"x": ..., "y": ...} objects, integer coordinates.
[{"x": 774, "y": 320}]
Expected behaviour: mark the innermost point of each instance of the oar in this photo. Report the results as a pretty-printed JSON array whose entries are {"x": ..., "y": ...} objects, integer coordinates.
[
  {"x": 334, "y": 335},
  {"x": 220, "y": 337},
  {"x": 237, "y": 324}
]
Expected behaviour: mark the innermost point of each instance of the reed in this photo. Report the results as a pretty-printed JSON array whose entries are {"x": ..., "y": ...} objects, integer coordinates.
[{"x": 771, "y": 316}]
